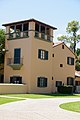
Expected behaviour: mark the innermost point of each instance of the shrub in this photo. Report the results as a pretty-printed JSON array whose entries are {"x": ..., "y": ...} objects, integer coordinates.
[{"x": 65, "y": 89}]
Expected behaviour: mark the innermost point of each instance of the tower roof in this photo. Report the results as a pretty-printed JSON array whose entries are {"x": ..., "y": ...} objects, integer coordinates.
[{"x": 29, "y": 20}]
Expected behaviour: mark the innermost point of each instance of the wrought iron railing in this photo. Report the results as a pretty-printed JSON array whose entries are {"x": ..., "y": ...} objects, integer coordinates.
[{"x": 14, "y": 61}]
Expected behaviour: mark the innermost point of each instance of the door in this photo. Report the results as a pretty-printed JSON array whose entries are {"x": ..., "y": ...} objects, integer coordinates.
[{"x": 17, "y": 55}]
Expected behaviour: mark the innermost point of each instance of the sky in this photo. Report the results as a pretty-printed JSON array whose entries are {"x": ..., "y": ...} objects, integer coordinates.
[{"x": 56, "y": 13}]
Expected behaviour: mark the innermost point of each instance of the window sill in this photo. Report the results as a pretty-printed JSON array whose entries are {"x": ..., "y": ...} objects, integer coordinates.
[{"x": 42, "y": 87}]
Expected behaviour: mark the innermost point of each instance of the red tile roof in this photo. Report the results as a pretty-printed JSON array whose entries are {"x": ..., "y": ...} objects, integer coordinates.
[{"x": 77, "y": 73}]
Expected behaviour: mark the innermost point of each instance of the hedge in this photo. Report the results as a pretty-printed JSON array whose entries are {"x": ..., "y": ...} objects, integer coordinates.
[{"x": 65, "y": 89}]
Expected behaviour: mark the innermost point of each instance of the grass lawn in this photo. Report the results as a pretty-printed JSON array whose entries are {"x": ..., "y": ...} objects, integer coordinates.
[
  {"x": 71, "y": 106},
  {"x": 36, "y": 96},
  {"x": 7, "y": 100}
]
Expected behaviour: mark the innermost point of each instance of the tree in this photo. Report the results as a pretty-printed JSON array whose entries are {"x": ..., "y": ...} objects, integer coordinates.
[
  {"x": 78, "y": 51},
  {"x": 2, "y": 45},
  {"x": 77, "y": 63},
  {"x": 72, "y": 36}
]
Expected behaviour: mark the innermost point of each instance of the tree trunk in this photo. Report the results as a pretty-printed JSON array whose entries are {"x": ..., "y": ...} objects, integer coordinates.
[{"x": 74, "y": 48}]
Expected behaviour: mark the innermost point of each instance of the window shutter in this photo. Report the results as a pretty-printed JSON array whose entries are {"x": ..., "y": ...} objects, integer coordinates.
[
  {"x": 45, "y": 82},
  {"x": 67, "y": 60},
  {"x": 72, "y": 61},
  {"x": 46, "y": 55},
  {"x": 39, "y": 53},
  {"x": 38, "y": 82}
]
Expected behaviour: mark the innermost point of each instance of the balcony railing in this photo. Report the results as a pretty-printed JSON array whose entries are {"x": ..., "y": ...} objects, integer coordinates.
[
  {"x": 43, "y": 36},
  {"x": 36, "y": 34},
  {"x": 16, "y": 35},
  {"x": 16, "y": 63},
  {"x": 25, "y": 34}
]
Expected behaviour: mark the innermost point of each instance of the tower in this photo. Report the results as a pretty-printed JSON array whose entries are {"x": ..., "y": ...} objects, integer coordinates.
[{"x": 28, "y": 59}]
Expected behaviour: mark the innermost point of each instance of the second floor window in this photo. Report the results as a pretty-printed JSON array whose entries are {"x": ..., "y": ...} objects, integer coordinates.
[
  {"x": 70, "y": 60},
  {"x": 17, "y": 55},
  {"x": 43, "y": 54}
]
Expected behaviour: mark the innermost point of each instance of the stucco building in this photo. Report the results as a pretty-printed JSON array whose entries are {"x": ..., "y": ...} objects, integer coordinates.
[{"x": 33, "y": 60}]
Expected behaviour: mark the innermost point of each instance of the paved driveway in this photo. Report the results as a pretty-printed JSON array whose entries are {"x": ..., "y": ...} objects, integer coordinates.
[{"x": 38, "y": 109}]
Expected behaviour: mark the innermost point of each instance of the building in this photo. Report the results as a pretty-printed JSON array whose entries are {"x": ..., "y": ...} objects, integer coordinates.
[
  {"x": 77, "y": 81},
  {"x": 63, "y": 65},
  {"x": 33, "y": 61}
]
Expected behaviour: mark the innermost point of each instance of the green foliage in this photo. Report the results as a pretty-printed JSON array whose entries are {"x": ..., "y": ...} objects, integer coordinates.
[
  {"x": 78, "y": 51},
  {"x": 77, "y": 64},
  {"x": 2, "y": 45},
  {"x": 2, "y": 39},
  {"x": 65, "y": 89},
  {"x": 72, "y": 37},
  {"x": 72, "y": 27}
]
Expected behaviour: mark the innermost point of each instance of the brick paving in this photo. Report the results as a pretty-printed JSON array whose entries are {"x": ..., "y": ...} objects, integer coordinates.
[{"x": 38, "y": 109}]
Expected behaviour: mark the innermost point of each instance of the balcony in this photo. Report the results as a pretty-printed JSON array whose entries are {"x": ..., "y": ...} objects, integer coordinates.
[
  {"x": 43, "y": 36},
  {"x": 36, "y": 34},
  {"x": 16, "y": 63},
  {"x": 17, "y": 35}
]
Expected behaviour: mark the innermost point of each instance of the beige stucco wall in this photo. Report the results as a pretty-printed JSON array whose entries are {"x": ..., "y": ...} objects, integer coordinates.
[
  {"x": 25, "y": 71},
  {"x": 12, "y": 88},
  {"x": 60, "y": 57},
  {"x": 41, "y": 68},
  {"x": 33, "y": 67}
]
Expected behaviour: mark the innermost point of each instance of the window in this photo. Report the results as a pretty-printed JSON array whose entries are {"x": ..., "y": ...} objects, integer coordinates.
[
  {"x": 70, "y": 60},
  {"x": 42, "y": 35},
  {"x": 77, "y": 83},
  {"x": 58, "y": 83},
  {"x": 16, "y": 79},
  {"x": 43, "y": 54},
  {"x": 12, "y": 29},
  {"x": 42, "y": 82},
  {"x": 48, "y": 31},
  {"x": 70, "y": 81},
  {"x": 37, "y": 27},
  {"x": 61, "y": 65},
  {"x": 52, "y": 77},
  {"x": 52, "y": 55},
  {"x": 62, "y": 46},
  {"x": 42, "y": 29},
  {"x": 17, "y": 54},
  {"x": 11, "y": 32},
  {"x": 25, "y": 26},
  {"x": 19, "y": 28}
]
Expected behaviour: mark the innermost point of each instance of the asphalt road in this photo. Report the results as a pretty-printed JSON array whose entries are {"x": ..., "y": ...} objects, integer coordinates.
[{"x": 38, "y": 109}]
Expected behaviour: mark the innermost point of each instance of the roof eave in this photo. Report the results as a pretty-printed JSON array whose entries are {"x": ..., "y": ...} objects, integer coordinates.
[{"x": 29, "y": 20}]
